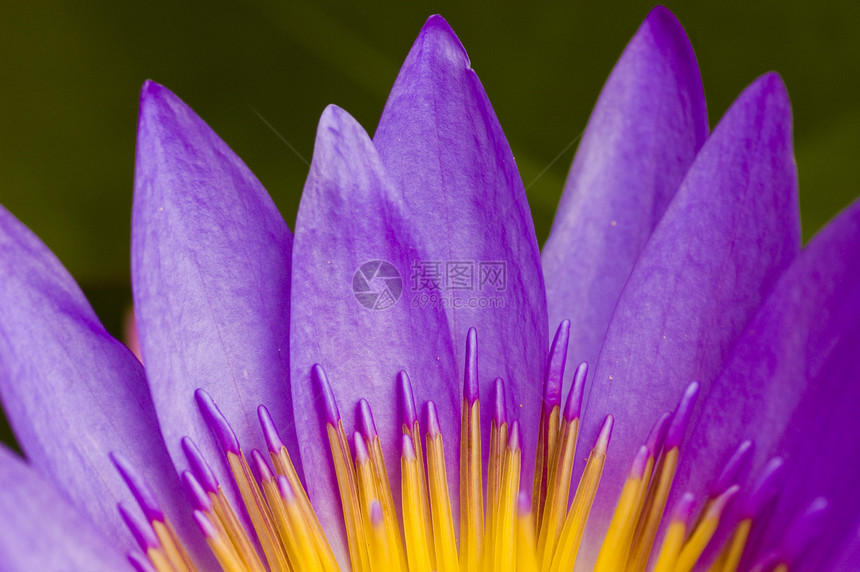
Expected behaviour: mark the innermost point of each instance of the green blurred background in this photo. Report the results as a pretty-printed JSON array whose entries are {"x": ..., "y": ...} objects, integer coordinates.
[{"x": 71, "y": 72}]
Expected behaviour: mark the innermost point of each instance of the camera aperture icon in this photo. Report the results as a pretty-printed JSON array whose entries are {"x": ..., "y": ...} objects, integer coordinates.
[{"x": 377, "y": 285}]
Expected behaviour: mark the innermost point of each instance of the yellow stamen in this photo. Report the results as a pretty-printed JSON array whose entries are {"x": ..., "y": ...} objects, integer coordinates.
[
  {"x": 297, "y": 538},
  {"x": 616, "y": 544},
  {"x": 386, "y": 499},
  {"x": 676, "y": 532},
  {"x": 471, "y": 488},
  {"x": 547, "y": 438},
  {"x": 159, "y": 560},
  {"x": 381, "y": 557},
  {"x": 224, "y": 518},
  {"x": 504, "y": 546},
  {"x": 730, "y": 557},
  {"x": 526, "y": 548},
  {"x": 558, "y": 492},
  {"x": 349, "y": 497},
  {"x": 284, "y": 467},
  {"x": 652, "y": 513},
  {"x": 705, "y": 530},
  {"x": 498, "y": 438},
  {"x": 564, "y": 558},
  {"x": 258, "y": 510},
  {"x": 440, "y": 502},
  {"x": 414, "y": 525},
  {"x": 173, "y": 549}
]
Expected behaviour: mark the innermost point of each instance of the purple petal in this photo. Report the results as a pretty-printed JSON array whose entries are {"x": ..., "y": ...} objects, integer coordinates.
[
  {"x": 725, "y": 238},
  {"x": 644, "y": 133},
  {"x": 71, "y": 392},
  {"x": 767, "y": 385},
  {"x": 445, "y": 151},
  {"x": 211, "y": 280},
  {"x": 40, "y": 530},
  {"x": 790, "y": 385},
  {"x": 849, "y": 560},
  {"x": 352, "y": 243}
]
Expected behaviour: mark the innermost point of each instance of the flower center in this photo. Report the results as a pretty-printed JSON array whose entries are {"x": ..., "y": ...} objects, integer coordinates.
[{"x": 540, "y": 531}]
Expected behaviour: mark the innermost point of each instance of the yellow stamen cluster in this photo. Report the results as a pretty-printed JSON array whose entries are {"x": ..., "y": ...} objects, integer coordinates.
[{"x": 512, "y": 534}]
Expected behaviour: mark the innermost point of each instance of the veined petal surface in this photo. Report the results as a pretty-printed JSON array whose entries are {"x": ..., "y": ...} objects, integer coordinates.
[
  {"x": 728, "y": 234},
  {"x": 768, "y": 379},
  {"x": 446, "y": 153},
  {"x": 41, "y": 531},
  {"x": 72, "y": 392},
  {"x": 643, "y": 134},
  {"x": 211, "y": 281},
  {"x": 354, "y": 246}
]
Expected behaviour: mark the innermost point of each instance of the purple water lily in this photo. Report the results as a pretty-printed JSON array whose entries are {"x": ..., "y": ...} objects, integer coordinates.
[{"x": 714, "y": 430}]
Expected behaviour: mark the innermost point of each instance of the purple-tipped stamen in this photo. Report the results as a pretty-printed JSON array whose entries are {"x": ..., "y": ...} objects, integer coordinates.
[
  {"x": 270, "y": 432},
  {"x": 262, "y": 467},
  {"x": 332, "y": 414},
  {"x": 514, "y": 438},
  {"x": 657, "y": 436},
  {"x": 143, "y": 533},
  {"x": 685, "y": 509},
  {"x": 470, "y": 378},
  {"x": 201, "y": 469},
  {"x": 640, "y": 461},
  {"x": 286, "y": 489},
  {"x": 737, "y": 463},
  {"x": 406, "y": 448},
  {"x": 407, "y": 400},
  {"x": 361, "y": 454},
  {"x": 805, "y": 530},
  {"x": 217, "y": 422},
  {"x": 524, "y": 503},
  {"x": 573, "y": 405},
  {"x": 139, "y": 488},
  {"x": 376, "y": 518},
  {"x": 555, "y": 366},
  {"x": 499, "y": 407},
  {"x": 722, "y": 501},
  {"x": 139, "y": 562},
  {"x": 764, "y": 489},
  {"x": 602, "y": 441},
  {"x": 365, "y": 420},
  {"x": 196, "y": 493},
  {"x": 681, "y": 417},
  {"x": 205, "y": 525},
  {"x": 433, "y": 427}
]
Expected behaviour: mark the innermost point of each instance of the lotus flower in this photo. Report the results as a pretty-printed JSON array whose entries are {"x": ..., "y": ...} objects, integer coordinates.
[{"x": 716, "y": 427}]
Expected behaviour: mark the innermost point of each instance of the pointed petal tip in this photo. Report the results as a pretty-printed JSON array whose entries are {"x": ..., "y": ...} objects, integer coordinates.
[{"x": 439, "y": 35}]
